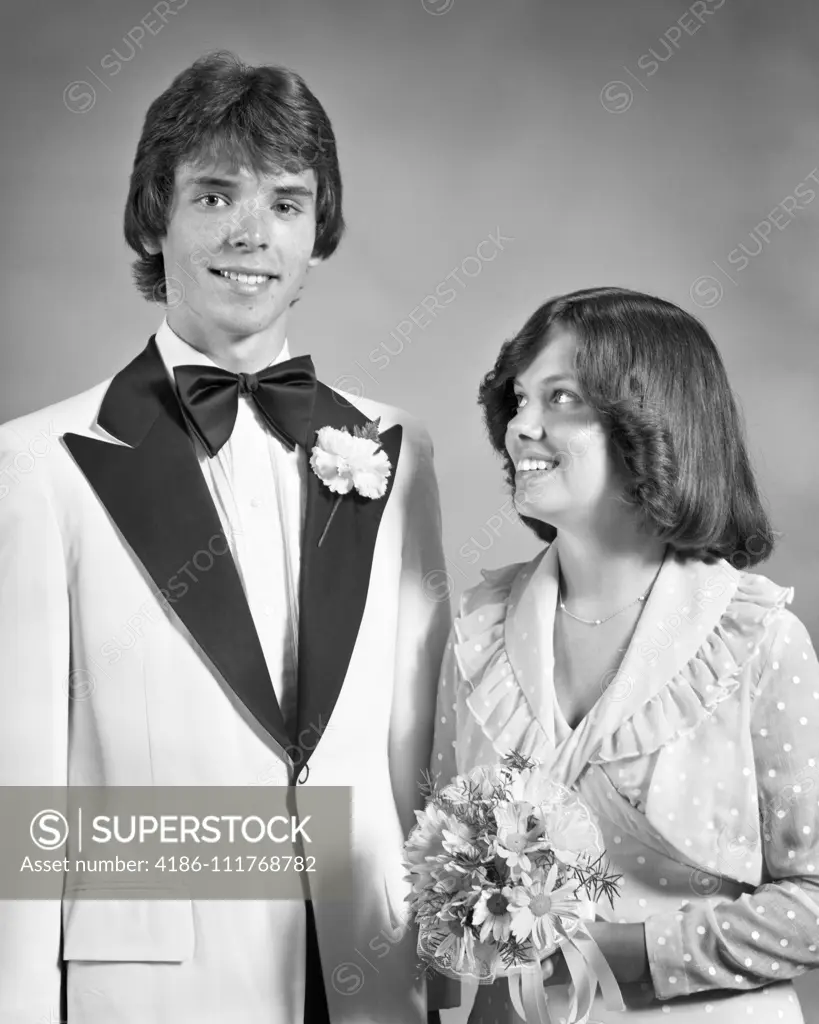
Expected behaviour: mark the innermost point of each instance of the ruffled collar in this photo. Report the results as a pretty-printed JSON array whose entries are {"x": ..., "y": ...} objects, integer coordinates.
[{"x": 699, "y": 627}]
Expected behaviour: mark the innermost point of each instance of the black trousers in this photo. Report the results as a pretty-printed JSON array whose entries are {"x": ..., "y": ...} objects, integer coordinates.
[{"x": 315, "y": 997}]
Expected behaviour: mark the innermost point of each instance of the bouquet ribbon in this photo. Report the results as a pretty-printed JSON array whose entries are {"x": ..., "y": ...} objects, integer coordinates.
[{"x": 588, "y": 969}]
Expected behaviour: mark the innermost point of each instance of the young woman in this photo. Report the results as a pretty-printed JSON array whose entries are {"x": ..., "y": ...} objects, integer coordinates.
[{"x": 638, "y": 660}]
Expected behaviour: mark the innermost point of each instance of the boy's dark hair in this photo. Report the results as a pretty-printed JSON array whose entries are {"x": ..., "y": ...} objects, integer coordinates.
[
  {"x": 262, "y": 118},
  {"x": 655, "y": 377}
]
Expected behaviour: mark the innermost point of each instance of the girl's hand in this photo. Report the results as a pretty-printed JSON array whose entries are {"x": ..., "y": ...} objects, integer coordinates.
[{"x": 555, "y": 971}]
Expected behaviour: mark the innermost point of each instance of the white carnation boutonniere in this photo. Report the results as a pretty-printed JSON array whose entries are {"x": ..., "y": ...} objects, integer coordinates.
[{"x": 345, "y": 462}]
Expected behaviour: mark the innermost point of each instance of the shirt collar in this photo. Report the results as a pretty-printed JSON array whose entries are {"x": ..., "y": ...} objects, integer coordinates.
[{"x": 176, "y": 352}]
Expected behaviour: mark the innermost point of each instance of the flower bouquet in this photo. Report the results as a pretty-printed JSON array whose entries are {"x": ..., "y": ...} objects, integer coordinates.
[{"x": 506, "y": 867}]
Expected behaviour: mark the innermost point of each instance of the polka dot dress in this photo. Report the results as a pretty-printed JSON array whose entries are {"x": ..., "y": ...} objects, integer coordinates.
[{"x": 702, "y": 774}]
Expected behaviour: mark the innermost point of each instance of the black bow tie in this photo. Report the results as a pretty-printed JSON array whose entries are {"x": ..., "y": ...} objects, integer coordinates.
[{"x": 284, "y": 394}]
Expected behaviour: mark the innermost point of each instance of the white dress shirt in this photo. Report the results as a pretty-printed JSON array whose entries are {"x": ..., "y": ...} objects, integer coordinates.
[{"x": 258, "y": 488}]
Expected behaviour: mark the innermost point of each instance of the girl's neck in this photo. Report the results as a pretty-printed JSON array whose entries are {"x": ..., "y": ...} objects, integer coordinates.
[{"x": 598, "y": 575}]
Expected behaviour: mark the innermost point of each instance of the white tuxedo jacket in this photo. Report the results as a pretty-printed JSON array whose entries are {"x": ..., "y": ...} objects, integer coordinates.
[{"x": 119, "y": 669}]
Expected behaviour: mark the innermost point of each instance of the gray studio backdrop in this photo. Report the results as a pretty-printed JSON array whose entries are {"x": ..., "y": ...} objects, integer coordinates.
[{"x": 493, "y": 155}]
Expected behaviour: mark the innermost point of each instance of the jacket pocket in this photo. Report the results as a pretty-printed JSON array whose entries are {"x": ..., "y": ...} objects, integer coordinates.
[{"x": 116, "y": 930}]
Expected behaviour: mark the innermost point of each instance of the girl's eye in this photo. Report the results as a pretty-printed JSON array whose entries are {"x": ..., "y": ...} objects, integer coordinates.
[
  {"x": 520, "y": 400},
  {"x": 204, "y": 200},
  {"x": 562, "y": 393}
]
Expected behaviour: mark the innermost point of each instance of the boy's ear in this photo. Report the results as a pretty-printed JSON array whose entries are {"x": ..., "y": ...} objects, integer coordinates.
[
  {"x": 152, "y": 248},
  {"x": 314, "y": 261}
]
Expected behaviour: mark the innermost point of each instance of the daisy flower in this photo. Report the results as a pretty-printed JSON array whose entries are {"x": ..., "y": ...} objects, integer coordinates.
[
  {"x": 535, "y": 907},
  {"x": 491, "y": 915},
  {"x": 515, "y": 839}
]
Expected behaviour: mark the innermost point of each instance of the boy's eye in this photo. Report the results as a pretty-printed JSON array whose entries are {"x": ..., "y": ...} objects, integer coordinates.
[
  {"x": 207, "y": 202},
  {"x": 287, "y": 207}
]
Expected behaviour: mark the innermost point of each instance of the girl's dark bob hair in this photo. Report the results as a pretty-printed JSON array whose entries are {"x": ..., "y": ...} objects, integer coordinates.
[
  {"x": 654, "y": 376},
  {"x": 220, "y": 110}
]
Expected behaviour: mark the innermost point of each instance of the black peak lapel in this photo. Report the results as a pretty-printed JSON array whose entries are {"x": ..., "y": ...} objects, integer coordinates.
[
  {"x": 157, "y": 497},
  {"x": 335, "y": 577}
]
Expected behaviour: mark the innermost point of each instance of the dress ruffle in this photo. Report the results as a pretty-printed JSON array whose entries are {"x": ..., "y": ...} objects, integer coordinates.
[
  {"x": 499, "y": 704},
  {"x": 497, "y": 701}
]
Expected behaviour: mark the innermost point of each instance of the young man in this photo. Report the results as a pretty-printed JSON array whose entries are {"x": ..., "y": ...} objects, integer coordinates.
[{"x": 176, "y": 564}]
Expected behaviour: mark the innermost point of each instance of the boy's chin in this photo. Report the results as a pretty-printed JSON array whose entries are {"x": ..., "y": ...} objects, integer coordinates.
[{"x": 248, "y": 321}]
